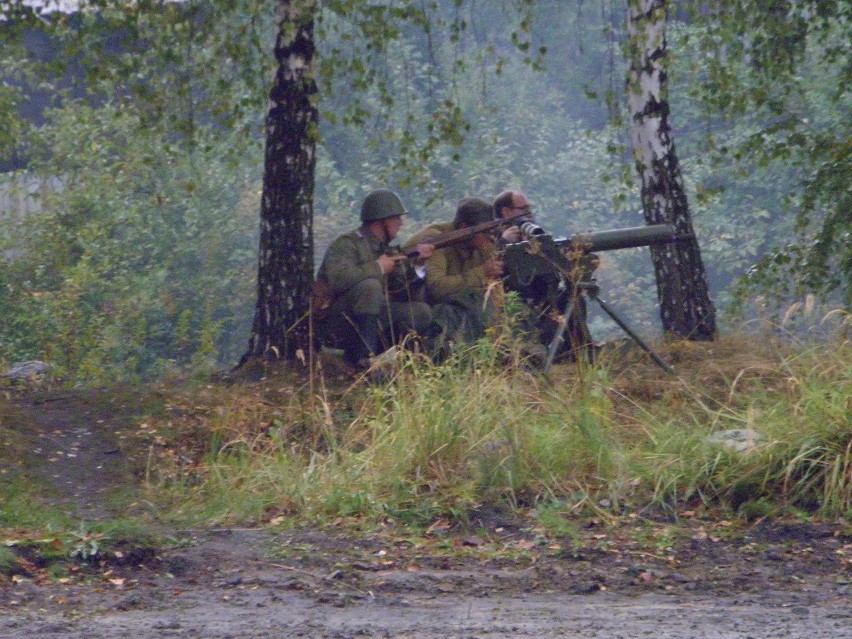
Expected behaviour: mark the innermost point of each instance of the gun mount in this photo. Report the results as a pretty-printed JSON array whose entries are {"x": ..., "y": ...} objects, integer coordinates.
[{"x": 564, "y": 268}]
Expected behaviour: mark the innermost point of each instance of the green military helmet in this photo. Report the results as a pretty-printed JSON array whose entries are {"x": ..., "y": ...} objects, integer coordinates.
[
  {"x": 381, "y": 204},
  {"x": 472, "y": 211}
]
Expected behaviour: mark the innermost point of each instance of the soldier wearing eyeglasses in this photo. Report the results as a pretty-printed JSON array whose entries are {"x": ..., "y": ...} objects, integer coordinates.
[
  {"x": 511, "y": 203},
  {"x": 546, "y": 296}
]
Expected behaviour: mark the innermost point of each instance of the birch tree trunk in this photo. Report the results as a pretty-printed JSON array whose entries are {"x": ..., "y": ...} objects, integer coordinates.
[
  {"x": 286, "y": 262},
  {"x": 685, "y": 305}
]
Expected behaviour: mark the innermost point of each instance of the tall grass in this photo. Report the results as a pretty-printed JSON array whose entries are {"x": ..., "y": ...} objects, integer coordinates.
[
  {"x": 438, "y": 440},
  {"x": 801, "y": 454}
]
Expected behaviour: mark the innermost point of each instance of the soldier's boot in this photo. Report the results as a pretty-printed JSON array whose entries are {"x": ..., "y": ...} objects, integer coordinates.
[{"x": 364, "y": 344}]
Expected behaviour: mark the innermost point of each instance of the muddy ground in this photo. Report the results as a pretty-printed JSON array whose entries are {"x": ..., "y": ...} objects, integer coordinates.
[{"x": 495, "y": 578}]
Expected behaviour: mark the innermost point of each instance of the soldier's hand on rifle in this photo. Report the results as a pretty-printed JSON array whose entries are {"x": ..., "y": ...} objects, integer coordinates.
[
  {"x": 511, "y": 235},
  {"x": 493, "y": 268},
  {"x": 388, "y": 263},
  {"x": 424, "y": 252}
]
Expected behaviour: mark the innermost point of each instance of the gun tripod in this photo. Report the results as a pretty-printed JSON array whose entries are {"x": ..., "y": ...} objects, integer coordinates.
[{"x": 590, "y": 289}]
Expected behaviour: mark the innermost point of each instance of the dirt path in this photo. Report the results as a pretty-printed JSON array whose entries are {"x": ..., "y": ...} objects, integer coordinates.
[
  {"x": 80, "y": 451},
  {"x": 539, "y": 616},
  {"x": 782, "y": 579},
  {"x": 230, "y": 585}
]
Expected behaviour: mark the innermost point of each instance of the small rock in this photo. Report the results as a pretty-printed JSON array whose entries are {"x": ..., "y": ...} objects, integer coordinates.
[
  {"x": 233, "y": 581},
  {"x": 27, "y": 371},
  {"x": 54, "y": 628},
  {"x": 166, "y": 625},
  {"x": 741, "y": 439},
  {"x": 586, "y": 588},
  {"x": 128, "y": 603}
]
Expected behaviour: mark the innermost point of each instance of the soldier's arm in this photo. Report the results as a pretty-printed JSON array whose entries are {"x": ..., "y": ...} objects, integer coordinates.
[{"x": 345, "y": 265}]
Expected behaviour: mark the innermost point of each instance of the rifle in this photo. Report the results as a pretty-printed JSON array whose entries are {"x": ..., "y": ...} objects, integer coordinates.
[{"x": 456, "y": 236}]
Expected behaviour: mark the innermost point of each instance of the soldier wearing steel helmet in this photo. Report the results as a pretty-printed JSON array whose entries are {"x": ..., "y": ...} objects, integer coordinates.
[
  {"x": 457, "y": 276},
  {"x": 357, "y": 267}
]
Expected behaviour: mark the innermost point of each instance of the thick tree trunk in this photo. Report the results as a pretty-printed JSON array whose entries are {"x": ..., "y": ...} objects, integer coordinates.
[
  {"x": 286, "y": 262},
  {"x": 685, "y": 305}
]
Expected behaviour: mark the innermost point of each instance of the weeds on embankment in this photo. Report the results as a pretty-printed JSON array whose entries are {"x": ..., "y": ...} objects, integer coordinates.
[{"x": 484, "y": 428}]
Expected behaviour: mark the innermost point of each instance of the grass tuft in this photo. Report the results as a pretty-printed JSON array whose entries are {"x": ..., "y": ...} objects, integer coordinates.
[{"x": 484, "y": 428}]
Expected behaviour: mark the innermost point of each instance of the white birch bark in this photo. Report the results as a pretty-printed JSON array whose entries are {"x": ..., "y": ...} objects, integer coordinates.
[
  {"x": 286, "y": 262},
  {"x": 685, "y": 305}
]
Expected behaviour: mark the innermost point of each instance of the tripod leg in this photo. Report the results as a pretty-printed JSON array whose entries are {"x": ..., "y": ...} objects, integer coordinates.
[
  {"x": 558, "y": 337},
  {"x": 633, "y": 335}
]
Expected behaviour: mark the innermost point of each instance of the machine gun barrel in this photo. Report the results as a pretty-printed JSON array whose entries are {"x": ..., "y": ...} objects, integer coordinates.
[
  {"x": 557, "y": 273},
  {"x": 623, "y": 238},
  {"x": 542, "y": 255}
]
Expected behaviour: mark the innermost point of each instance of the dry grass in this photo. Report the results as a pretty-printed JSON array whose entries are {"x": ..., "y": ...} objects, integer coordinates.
[{"x": 437, "y": 440}]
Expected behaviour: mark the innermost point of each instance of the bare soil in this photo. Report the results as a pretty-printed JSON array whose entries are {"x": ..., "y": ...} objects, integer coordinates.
[{"x": 497, "y": 577}]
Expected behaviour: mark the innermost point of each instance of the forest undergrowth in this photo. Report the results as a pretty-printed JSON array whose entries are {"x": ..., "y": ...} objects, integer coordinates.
[{"x": 746, "y": 429}]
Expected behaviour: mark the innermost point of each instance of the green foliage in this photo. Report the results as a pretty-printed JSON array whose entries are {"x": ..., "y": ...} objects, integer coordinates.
[
  {"x": 8, "y": 561},
  {"x": 447, "y": 438},
  {"x": 128, "y": 263},
  {"x": 14, "y": 127},
  {"x": 141, "y": 256},
  {"x": 144, "y": 260},
  {"x": 135, "y": 273},
  {"x": 802, "y": 459},
  {"x": 783, "y": 91},
  {"x": 376, "y": 61}
]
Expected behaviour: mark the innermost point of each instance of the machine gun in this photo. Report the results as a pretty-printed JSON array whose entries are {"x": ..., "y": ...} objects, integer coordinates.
[{"x": 569, "y": 263}]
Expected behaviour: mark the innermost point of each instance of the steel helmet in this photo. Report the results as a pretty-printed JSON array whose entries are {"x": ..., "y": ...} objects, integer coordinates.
[
  {"x": 381, "y": 204},
  {"x": 473, "y": 210}
]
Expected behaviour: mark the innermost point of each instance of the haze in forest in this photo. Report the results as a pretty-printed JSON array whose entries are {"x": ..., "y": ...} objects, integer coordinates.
[{"x": 160, "y": 161}]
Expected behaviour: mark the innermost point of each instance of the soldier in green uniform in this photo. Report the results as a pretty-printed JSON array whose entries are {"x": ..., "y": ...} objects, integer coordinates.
[
  {"x": 358, "y": 269},
  {"x": 457, "y": 276}
]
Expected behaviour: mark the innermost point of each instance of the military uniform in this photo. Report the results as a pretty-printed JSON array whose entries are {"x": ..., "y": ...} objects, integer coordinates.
[
  {"x": 455, "y": 285},
  {"x": 362, "y": 319}
]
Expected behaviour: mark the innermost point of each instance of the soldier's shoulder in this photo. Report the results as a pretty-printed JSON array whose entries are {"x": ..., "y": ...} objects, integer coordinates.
[
  {"x": 432, "y": 230},
  {"x": 347, "y": 238}
]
